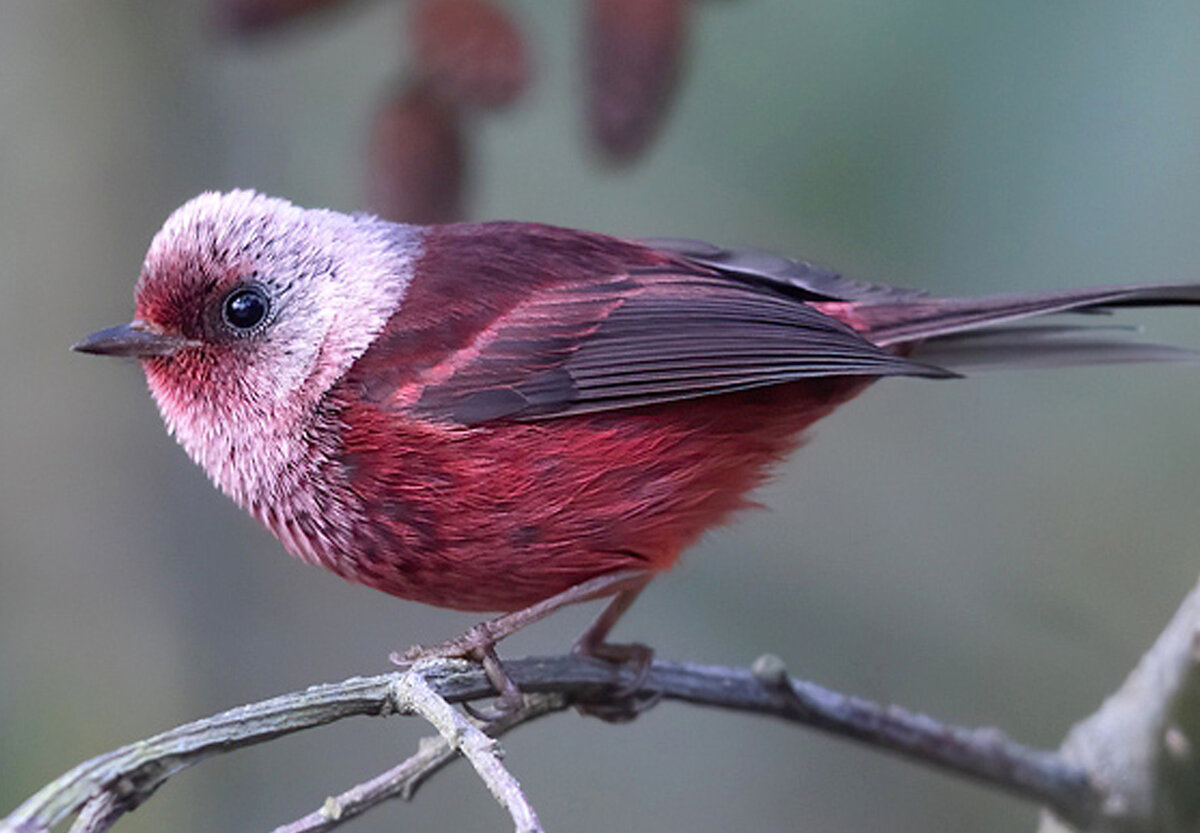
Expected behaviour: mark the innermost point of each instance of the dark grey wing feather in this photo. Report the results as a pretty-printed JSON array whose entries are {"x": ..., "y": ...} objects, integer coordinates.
[
  {"x": 659, "y": 338},
  {"x": 705, "y": 320},
  {"x": 896, "y": 316},
  {"x": 810, "y": 281}
]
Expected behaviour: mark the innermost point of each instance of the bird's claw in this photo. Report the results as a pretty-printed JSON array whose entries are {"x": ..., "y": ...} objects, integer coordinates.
[
  {"x": 479, "y": 645},
  {"x": 471, "y": 644},
  {"x": 627, "y": 699}
]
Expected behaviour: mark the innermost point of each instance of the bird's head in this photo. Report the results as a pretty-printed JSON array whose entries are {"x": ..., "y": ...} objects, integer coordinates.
[{"x": 247, "y": 310}]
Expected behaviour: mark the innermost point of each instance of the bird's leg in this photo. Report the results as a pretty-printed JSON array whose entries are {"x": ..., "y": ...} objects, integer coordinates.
[
  {"x": 488, "y": 633},
  {"x": 594, "y": 643},
  {"x": 479, "y": 642},
  {"x": 510, "y": 698}
]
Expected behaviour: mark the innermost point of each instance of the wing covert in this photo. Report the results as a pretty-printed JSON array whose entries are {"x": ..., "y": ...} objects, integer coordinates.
[
  {"x": 633, "y": 340},
  {"x": 814, "y": 282}
]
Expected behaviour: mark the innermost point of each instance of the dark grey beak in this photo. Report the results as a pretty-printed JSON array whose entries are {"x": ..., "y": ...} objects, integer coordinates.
[{"x": 132, "y": 339}]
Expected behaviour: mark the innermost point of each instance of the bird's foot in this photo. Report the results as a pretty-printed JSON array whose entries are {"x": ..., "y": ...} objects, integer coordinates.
[
  {"x": 478, "y": 644},
  {"x": 627, "y": 700}
]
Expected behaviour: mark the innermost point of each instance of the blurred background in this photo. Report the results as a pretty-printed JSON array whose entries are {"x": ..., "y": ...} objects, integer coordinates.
[{"x": 993, "y": 551}]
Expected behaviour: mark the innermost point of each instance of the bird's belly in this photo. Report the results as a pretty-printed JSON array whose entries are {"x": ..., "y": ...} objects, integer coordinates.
[{"x": 501, "y": 517}]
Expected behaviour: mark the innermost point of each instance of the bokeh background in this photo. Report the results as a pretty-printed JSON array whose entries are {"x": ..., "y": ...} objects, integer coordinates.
[{"x": 995, "y": 551}]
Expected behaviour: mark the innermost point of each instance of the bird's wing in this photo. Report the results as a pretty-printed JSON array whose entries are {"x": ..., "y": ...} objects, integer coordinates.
[
  {"x": 797, "y": 277},
  {"x": 636, "y": 339},
  {"x": 962, "y": 333}
]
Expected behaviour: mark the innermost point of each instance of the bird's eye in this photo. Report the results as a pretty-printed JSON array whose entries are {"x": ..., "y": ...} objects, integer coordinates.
[{"x": 245, "y": 309}]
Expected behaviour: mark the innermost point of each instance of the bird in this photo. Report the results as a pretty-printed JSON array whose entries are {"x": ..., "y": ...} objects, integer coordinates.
[{"x": 510, "y": 417}]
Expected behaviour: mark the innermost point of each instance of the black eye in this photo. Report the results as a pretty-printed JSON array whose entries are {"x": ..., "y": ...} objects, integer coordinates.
[{"x": 245, "y": 309}]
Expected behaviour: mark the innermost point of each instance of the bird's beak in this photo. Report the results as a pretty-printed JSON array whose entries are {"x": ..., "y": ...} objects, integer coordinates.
[{"x": 136, "y": 338}]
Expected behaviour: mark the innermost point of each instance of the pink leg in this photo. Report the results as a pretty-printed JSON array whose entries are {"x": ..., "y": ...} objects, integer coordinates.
[
  {"x": 479, "y": 643},
  {"x": 594, "y": 640},
  {"x": 487, "y": 634},
  {"x": 594, "y": 643}
]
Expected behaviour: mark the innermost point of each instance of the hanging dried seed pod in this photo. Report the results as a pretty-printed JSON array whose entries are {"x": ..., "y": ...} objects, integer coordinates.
[
  {"x": 252, "y": 16},
  {"x": 469, "y": 51},
  {"x": 416, "y": 158},
  {"x": 635, "y": 50}
]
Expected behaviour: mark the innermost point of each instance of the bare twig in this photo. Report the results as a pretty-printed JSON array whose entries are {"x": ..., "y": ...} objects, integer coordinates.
[
  {"x": 99, "y": 814},
  {"x": 482, "y": 751},
  {"x": 403, "y": 780},
  {"x": 133, "y": 772}
]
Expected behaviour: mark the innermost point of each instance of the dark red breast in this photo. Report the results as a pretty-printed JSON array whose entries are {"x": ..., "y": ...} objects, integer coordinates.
[{"x": 490, "y": 470}]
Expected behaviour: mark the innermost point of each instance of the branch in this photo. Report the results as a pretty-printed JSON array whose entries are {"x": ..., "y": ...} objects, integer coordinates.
[
  {"x": 121, "y": 779},
  {"x": 99, "y": 814},
  {"x": 1141, "y": 746},
  {"x": 402, "y": 781},
  {"x": 482, "y": 751}
]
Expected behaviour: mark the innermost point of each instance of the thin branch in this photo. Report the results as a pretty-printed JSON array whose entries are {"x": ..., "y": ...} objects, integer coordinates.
[
  {"x": 403, "y": 780},
  {"x": 99, "y": 814},
  {"x": 133, "y": 772},
  {"x": 482, "y": 751}
]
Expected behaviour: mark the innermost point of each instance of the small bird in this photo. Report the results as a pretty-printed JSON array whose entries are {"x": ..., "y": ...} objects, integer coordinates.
[{"x": 511, "y": 416}]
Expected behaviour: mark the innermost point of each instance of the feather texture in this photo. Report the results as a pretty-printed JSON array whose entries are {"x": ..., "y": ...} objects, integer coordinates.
[{"x": 481, "y": 416}]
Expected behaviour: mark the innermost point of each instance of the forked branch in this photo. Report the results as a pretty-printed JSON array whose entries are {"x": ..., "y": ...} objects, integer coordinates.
[
  {"x": 109, "y": 785},
  {"x": 1132, "y": 767}
]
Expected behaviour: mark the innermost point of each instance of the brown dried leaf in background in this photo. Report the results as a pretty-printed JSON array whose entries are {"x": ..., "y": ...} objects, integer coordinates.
[
  {"x": 469, "y": 51},
  {"x": 416, "y": 158},
  {"x": 252, "y": 16},
  {"x": 634, "y": 53}
]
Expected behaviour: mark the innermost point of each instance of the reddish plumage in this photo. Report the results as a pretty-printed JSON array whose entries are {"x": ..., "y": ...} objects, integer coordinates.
[
  {"x": 483, "y": 416},
  {"x": 499, "y": 517}
]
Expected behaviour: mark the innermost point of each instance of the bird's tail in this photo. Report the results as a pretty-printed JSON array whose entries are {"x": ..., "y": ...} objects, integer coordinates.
[{"x": 996, "y": 331}]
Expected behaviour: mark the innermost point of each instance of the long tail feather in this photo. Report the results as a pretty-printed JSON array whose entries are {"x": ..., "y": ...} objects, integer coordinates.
[
  {"x": 914, "y": 321},
  {"x": 1044, "y": 346},
  {"x": 983, "y": 333}
]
